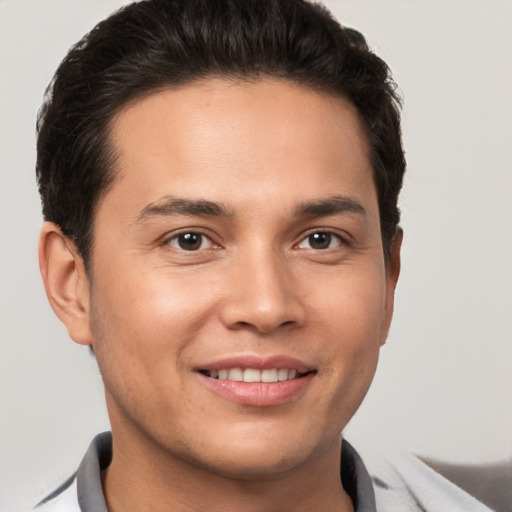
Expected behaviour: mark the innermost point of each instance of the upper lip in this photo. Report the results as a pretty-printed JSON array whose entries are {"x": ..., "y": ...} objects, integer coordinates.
[{"x": 257, "y": 362}]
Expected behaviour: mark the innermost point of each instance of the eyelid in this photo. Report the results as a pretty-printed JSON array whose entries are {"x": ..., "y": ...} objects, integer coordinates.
[
  {"x": 343, "y": 240},
  {"x": 166, "y": 240}
]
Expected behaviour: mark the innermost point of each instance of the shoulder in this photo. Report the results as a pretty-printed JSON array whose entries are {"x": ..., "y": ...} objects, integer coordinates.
[
  {"x": 490, "y": 482},
  {"x": 62, "y": 499},
  {"x": 83, "y": 490},
  {"x": 402, "y": 482}
]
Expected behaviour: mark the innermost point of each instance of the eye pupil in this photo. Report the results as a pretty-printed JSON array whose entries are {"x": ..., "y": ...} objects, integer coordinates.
[
  {"x": 320, "y": 240},
  {"x": 189, "y": 241}
]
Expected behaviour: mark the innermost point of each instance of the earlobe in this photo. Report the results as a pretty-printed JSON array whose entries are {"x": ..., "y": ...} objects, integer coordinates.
[
  {"x": 394, "y": 258},
  {"x": 66, "y": 282},
  {"x": 392, "y": 275}
]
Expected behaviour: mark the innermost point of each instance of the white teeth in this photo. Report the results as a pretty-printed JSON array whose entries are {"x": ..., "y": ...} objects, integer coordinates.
[
  {"x": 254, "y": 375},
  {"x": 236, "y": 374},
  {"x": 269, "y": 375},
  {"x": 282, "y": 374}
]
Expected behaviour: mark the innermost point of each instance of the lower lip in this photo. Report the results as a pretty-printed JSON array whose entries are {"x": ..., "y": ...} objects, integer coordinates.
[{"x": 258, "y": 394}]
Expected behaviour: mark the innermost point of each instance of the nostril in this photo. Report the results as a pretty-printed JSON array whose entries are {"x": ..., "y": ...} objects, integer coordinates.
[{"x": 262, "y": 327}]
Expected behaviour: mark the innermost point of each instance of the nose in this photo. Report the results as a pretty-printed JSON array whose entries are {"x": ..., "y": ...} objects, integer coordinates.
[{"x": 264, "y": 295}]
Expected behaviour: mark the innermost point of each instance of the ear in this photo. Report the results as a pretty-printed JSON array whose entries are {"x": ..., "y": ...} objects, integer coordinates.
[
  {"x": 392, "y": 274},
  {"x": 65, "y": 281}
]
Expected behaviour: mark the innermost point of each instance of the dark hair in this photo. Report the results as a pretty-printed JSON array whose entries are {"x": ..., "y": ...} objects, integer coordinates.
[{"x": 154, "y": 44}]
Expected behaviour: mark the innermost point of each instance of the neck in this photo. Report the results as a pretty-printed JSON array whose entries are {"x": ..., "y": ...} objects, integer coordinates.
[{"x": 142, "y": 476}]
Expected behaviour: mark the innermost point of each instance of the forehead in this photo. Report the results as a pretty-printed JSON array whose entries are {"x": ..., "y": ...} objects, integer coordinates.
[{"x": 246, "y": 140}]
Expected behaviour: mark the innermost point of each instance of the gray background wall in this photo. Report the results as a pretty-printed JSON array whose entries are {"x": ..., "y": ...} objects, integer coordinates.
[{"x": 444, "y": 387}]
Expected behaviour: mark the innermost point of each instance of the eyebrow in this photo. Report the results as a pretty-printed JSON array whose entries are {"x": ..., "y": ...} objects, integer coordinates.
[
  {"x": 169, "y": 205},
  {"x": 330, "y": 206}
]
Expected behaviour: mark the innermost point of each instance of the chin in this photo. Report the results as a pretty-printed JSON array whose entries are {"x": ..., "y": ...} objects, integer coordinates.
[
  {"x": 248, "y": 465},
  {"x": 259, "y": 456}
]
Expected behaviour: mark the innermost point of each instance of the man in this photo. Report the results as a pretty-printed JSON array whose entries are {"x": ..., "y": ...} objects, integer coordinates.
[{"x": 219, "y": 183}]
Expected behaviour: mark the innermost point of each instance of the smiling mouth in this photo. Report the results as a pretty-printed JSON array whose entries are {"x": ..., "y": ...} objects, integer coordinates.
[{"x": 254, "y": 375}]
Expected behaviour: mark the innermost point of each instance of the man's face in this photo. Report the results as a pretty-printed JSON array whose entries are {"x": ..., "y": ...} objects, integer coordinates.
[{"x": 240, "y": 240}]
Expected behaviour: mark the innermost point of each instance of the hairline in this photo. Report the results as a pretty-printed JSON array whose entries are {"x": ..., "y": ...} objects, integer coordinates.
[{"x": 112, "y": 154}]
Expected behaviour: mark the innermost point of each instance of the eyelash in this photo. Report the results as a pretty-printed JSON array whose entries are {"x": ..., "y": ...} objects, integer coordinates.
[
  {"x": 175, "y": 237},
  {"x": 330, "y": 234},
  {"x": 203, "y": 236}
]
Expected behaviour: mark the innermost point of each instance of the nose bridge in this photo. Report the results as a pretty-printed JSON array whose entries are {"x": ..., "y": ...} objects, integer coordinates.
[{"x": 262, "y": 291}]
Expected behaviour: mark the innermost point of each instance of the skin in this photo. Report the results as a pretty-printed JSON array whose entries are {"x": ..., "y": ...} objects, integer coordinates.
[{"x": 256, "y": 285}]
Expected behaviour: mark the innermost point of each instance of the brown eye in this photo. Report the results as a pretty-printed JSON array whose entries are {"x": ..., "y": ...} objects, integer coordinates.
[
  {"x": 190, "y": 241},
  {"x": 320, "y": 240}
]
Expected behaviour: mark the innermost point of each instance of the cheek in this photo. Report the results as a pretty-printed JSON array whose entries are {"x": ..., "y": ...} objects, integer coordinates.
[
  {"x": 351, "y": 319},
  {"x": 146, "y": 319},
  {"x": 151, "y": 299},
  {"x": 352, "y": 305}
]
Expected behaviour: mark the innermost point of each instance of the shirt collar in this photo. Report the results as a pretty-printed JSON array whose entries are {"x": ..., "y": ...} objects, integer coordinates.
[{"x": 354, "y": 476}]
